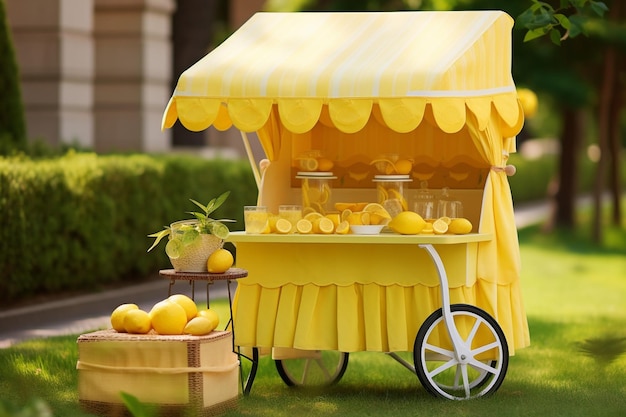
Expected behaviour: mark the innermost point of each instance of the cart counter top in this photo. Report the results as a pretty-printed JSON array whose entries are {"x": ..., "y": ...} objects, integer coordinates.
[{"x": 382, "y": 238}]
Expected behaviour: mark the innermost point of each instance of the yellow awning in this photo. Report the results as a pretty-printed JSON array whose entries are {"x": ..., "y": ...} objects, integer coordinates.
[{"x": 341, "y": 66}]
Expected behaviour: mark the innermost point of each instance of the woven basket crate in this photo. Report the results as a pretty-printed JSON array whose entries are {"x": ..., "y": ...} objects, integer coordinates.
[{"x": 173, "y": 372}]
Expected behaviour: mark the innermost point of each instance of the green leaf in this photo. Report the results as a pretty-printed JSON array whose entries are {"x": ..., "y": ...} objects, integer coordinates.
[
  {"x": 563, "y": 20},
  {"x": 136, "y": 407},
  {"x": 555, "y": 37},
  {"x": 203, "y": 207},
  {"x": 534, "y": 34},
  {"x": 189, "y": 236},
  {"x": 158, "y": 236},
  {"x": 217, "y": 202},
  {"x": 599, "y": 8}
]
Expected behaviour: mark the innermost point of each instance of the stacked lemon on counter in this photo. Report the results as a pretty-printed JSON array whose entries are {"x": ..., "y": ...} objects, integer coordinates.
[
  {"x": 411, "y": 223},
  {"x": 175, "y": 315}
]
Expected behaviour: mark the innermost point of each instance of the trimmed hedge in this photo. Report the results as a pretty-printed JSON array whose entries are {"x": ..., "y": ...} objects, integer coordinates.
[{"x": 82, "y": 220}]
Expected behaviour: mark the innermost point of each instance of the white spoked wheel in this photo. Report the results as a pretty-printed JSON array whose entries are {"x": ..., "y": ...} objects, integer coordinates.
[
  {"x": 478, "y": 371},
  {"x": 315, "y": 369}
]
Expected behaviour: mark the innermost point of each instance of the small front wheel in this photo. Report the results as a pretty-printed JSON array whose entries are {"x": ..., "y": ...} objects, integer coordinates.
[
  {"x": 318, "y": 368},
  {"x": 446, "y": 374}
]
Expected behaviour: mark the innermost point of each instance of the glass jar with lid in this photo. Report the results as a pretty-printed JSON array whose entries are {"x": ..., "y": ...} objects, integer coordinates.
[
  {"x": 316, "y": 190},
  {"x": 390, "y": 191}
]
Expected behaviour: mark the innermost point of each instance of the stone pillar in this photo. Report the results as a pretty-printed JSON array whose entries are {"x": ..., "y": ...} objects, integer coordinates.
[
  {"x": 133, "y": 66},
  {"x": 54, "y": 50}
]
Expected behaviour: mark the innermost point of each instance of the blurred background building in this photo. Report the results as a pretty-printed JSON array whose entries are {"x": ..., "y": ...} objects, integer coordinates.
[{"x": 98, "y": 73}]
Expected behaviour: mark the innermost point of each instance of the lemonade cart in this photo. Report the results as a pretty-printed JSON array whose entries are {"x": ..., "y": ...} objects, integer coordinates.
[{"x": 344, "y": 96}]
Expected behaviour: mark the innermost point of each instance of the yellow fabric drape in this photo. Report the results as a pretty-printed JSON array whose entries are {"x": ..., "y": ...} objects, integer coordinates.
[{"x": 499, "y": 264}]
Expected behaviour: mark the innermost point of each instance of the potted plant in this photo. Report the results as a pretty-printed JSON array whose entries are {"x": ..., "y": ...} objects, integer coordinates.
[{"x": 192, "y": 241}]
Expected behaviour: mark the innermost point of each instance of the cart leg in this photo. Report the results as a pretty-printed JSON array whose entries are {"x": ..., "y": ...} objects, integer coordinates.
[
  {"x": 247, "y": 375},
  {"x": 478, "y": 371}
]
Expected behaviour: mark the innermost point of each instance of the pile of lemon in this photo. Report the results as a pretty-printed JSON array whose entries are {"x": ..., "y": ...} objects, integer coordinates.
[
  {"x": 176, "y": 315},
  {"x": 411, "y": 223}
]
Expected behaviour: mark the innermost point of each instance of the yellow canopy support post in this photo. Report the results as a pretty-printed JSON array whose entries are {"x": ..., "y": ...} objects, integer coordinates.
[{"x": 255, "y": 168}]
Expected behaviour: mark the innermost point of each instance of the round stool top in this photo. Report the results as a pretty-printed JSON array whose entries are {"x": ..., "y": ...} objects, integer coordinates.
[{"x": 231, "y": 273}]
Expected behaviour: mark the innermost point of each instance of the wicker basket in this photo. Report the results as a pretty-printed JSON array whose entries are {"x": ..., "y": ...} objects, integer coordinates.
[{"x": 176, "y": 373}]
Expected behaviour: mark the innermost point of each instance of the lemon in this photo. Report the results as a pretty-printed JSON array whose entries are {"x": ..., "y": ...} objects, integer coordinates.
[
  {"x": 312, "y": 216},
  {"x": 168, "y": 317},
  {"x": 355, "y": 218},
  {"x": 198, "y": 326},
  {"x": 342, "y": 228},
  {"x": 304, "y": 226},
  {"x": 210, "y": 315},
  {"x": 377, "y": 209},
  {"x": 324, "y": 225},
  {"x": 440, "y": 227},
  {"x": 334, "y": 217},
  {"x": 187, "y": 303},
  {"x": 376, "y": 218},
  {"x": 460, "y": 226},
  {"x": 345, "y": 214},
  {"x": 407, "y": 223},
  {"x": 219, "y": 261},
  {"x": 271, "y": 222},
  {"x": 325, "y": 164},
  {"x": 117, "y": 316},
  {"x": 283, "y": 226},
  {"x": 137, "y": 321},
  {"x": 403, "y": 166}
]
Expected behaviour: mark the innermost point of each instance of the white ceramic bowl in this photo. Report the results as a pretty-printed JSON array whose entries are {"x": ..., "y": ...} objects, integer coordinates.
[{"x": 366, "y": 229}]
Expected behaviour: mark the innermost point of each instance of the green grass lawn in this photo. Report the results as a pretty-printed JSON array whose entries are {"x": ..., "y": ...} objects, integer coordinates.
[{"x": 575, "y": 296}]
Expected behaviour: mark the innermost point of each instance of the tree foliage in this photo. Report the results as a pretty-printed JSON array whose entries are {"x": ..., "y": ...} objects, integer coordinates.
[{"x": 12, "y": 123}]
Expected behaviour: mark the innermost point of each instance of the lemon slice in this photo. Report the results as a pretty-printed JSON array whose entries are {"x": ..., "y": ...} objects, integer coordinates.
[
  {"x": 309, "y": 164},
  {"x": 446, "y": 219},
  {"x": 220, "y": 230},
  {"x": 312, "y": 216},
  {"x": 384, "y": 166},
  {"x": 283, "y": 226},
  {"x": 323, "y": 225},
  {"x": 345, "y": 214},
  {"x": 304, "y": 226},
  {"x": 440, "y": 227},
  {"x": 376, "y": 218},
  {"x": 393, "y": 193},
  {"x": 343, "y": 228},
  {"x": 375, "y": 208},
  {"x": 393, "y": 207},
  {"x": 173, "y": 248},
  {"x": 365, "y": 218}
]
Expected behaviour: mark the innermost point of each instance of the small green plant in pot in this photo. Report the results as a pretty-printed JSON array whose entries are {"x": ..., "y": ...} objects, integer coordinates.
[{"x": 192, "y": 241}]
